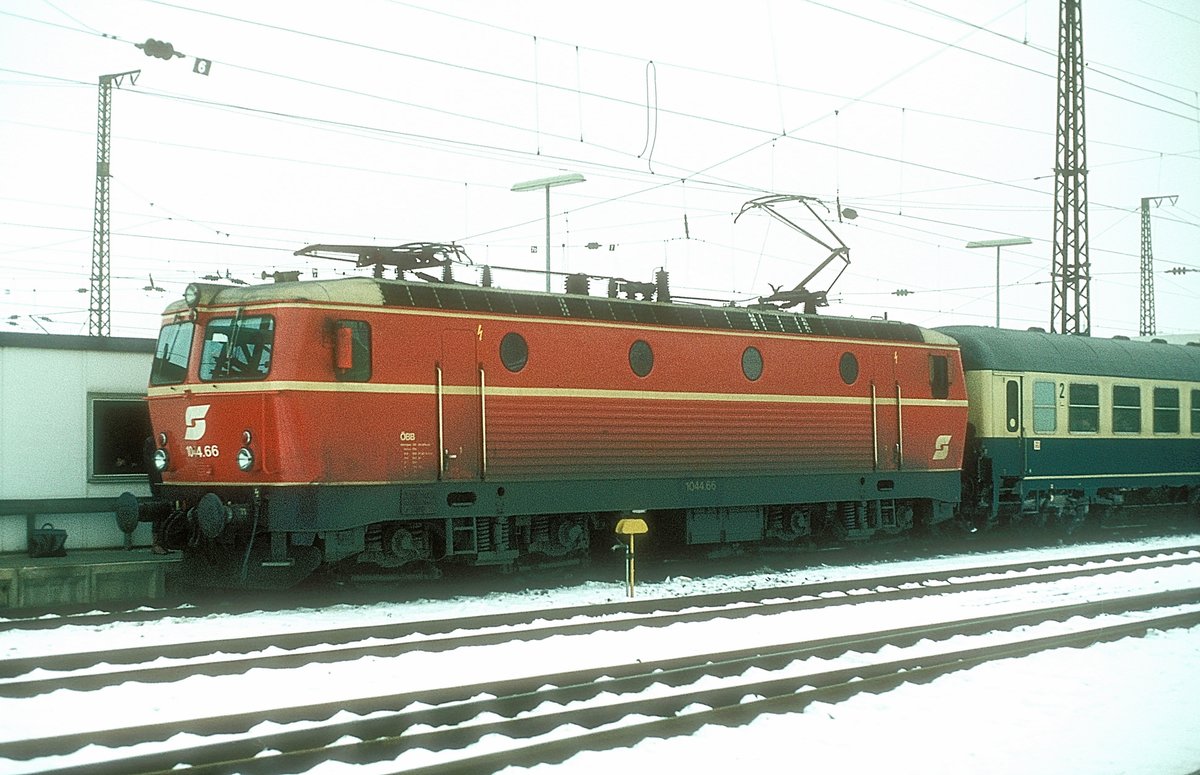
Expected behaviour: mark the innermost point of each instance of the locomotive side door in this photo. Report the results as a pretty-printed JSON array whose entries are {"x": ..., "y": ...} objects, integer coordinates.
[
  {"x": 886, "y": 412},
  {"x": 459, "y": 410}
]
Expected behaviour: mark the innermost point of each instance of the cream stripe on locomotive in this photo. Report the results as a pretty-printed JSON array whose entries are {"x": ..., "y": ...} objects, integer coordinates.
[{"x": 267, "y": 386}]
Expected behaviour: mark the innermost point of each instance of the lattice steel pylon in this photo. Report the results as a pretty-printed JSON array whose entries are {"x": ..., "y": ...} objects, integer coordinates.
[
  {"x": 1146, "y": 323},
  {"x": 100, "y": 305},
  {"x": 1071, "y": 272}
]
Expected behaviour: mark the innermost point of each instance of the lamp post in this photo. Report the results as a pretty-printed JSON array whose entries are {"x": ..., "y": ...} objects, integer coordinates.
[
  {"x": 997, "y": 244},
  {"x": 548, "y": 183}
]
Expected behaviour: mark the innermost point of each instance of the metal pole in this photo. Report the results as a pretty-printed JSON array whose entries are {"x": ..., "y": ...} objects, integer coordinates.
[
  {"x": 547, "y": 239},
  {"x": 997, "y": 286}
]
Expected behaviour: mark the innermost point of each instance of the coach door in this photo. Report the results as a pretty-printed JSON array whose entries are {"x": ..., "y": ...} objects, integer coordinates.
[
  {"x": 459, "y": 410},
  {"x": 1009, "y": 421}
]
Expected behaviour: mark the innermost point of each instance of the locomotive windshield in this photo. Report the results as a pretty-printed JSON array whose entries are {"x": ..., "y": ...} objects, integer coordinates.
[
  {"x": 237, "y": 348},
  {"x": 172, "y": 353}
]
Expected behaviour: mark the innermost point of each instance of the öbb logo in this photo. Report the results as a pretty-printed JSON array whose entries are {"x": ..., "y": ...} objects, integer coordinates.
[
  {"x": 193, "y": 420},
  {"x": 941, "y": 447}
]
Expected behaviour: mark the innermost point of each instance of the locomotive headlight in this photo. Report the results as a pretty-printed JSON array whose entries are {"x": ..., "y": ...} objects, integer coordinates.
[
  {"x": 246, "y": 437},
  {"x": 161, "y": 459},
  {"x": 245, "y": 459},
  {"x": 162, "y": 439},
  {"x": 191, "y": 295}
]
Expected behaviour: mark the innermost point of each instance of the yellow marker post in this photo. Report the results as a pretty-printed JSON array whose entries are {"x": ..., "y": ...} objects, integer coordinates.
[{"x": 630, "y": 527}]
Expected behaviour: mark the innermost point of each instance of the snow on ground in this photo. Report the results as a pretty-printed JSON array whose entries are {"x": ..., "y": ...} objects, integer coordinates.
[{"x": 1131, "y": 706}]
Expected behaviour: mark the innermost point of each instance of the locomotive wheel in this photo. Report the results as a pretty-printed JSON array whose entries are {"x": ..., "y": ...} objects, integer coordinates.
[{"x": 404, "y": 544}]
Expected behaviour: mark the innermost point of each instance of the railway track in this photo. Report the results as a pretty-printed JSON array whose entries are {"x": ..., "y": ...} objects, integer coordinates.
[
  {"x": 611, "y": 705},
  {"x": 161, "y": 663}
]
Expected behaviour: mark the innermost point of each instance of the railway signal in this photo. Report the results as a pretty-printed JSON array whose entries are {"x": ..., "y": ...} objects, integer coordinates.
[{"x": 630, "y": 527}]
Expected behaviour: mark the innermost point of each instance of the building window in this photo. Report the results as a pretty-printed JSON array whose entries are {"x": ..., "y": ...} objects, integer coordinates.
[
  {"x": 514, "y": 351},
  {"x": 118, "y": 426},
  {"x": 641, "y": 358},
  {"x": 848, "y": 368},
  {"x": 1166, "y": 410},
  {"x": 752, "y": 363},
  {"x": 1127, "y": 409},
  {"x": 1045, "y": 410},
  {"x": 1083, "y": 408},
  {"x": 352, "y": 347},
  {"x": 939, "y": 376}
]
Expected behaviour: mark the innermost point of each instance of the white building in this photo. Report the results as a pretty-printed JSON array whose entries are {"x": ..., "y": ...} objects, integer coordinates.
[{"x": 73, "y": 422}]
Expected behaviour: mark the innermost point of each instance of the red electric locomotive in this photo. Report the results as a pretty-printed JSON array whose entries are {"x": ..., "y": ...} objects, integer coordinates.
[{"x": 378, "y": 422}]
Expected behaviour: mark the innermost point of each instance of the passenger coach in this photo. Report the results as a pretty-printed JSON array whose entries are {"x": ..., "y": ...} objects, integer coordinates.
[{"x": 1060, "y": 423}]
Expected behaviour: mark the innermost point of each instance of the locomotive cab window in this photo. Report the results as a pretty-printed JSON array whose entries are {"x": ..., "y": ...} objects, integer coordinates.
[
  {"x": 1166, "y": 410},
  {"x": 1127, "y": 409},
  {"x": 172, "y": 353},
  {"x": 352, "y": 350},
  {"x": 237, "y": 348},
  {"x": 1045, "y": 409},
  {"x": 1083, "y": 408},
  {"x": 939, "y": 376},
  {"x": 1196, "y": 411}
]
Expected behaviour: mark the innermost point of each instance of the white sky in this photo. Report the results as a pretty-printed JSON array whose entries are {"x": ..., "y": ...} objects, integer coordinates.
[{"x": 381, "y": 121}]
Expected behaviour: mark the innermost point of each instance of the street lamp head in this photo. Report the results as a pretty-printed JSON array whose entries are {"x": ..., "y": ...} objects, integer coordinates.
[
  {"x": 558, "y": 180},
  {"x": 1000, "y": 243}
]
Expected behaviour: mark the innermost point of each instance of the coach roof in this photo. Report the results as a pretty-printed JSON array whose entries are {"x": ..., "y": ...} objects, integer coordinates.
[{"x": 992, "y": 349}]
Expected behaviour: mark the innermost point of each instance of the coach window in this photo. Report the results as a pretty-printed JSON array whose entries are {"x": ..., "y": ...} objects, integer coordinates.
[
  {"x": 1045, "y": 409},
  {"x": 1083, "y": 408},
  {"x": 1126, "y": 409},
  {"x": 237, "y": 348},
  {"x": 352, "y": 351},
  {"x": 641, "y": 358},
  {"x": 848, "y": 368},
  {"x": 514, "y": 351},
  {"x": 752, "y": 363},
  {"x": 118, "y": 426},
  {"x": 1166, "y": 410},
  {"x": 172, "y": 353},
  {"x": 939, "y": 376},
  {"x": 1196, "y": 411}
]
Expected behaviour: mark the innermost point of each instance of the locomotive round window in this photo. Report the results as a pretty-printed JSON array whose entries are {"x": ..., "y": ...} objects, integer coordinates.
[
  {"x": 848, "y": 367},
  {"x": 641, "y": 358},
  {"x": 514, "y": 352},
  {"x": 752, "y": 363}
]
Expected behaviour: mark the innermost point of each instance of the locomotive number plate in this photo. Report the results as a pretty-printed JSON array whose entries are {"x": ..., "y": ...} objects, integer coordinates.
[
  {"x": 203, "y": 450},
  {"x": 700, "y": 485}
]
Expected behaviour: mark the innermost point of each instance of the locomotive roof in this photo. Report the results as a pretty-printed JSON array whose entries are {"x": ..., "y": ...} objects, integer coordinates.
[
  {"x": 399, "y": 293},
  {"x": 992, "y": 349}
]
